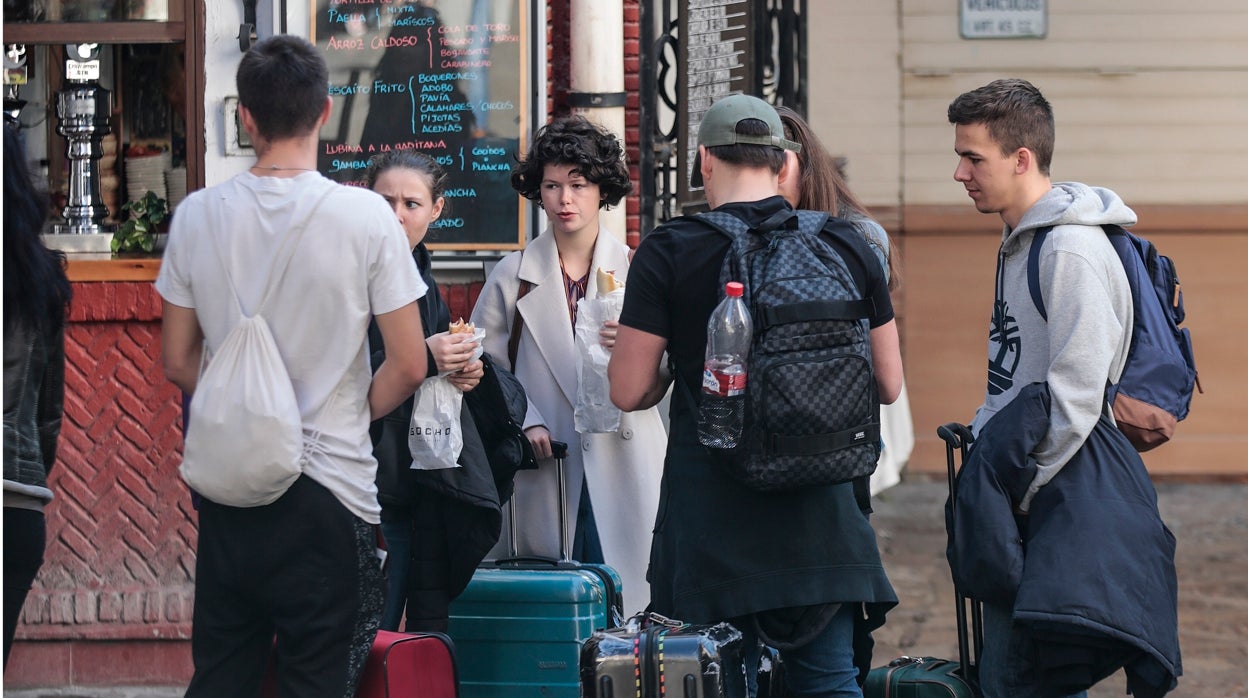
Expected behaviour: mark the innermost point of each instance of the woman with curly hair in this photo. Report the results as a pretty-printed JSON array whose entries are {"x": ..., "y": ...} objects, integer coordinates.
[{"x": 573, "y": 170}]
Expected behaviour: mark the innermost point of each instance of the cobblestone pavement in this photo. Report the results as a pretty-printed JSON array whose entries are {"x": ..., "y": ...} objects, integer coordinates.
[{"x": 1209, "y": 520}]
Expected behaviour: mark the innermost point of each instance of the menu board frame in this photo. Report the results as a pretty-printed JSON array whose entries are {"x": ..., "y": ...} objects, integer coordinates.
[
  {"x": 717, "y": 52},
  {"x": 483, "y": 136}
]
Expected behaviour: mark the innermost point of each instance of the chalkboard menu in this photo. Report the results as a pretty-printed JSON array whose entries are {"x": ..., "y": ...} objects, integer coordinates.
[
  {"x": 447, "y": 78},
  {"x": 715, "y": 37}
]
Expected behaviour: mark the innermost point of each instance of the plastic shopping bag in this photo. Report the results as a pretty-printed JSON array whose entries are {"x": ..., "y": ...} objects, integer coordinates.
[
  {"x": 478, "y": 336},
  {"x": 594, "y": 412},
  {"x": 434, "y": 436}
]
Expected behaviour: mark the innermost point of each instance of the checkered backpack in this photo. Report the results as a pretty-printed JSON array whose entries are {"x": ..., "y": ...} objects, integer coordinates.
[{"x": 812, "y": 414}]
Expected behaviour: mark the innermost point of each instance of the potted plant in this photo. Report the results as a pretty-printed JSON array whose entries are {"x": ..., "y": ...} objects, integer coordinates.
[{"x": 143, "y": 216}]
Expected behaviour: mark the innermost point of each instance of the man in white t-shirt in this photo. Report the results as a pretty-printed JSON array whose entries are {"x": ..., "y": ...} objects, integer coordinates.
[{"x": 303, "y": 568}]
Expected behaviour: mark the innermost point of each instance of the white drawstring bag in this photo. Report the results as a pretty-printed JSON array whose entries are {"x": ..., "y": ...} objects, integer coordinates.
[
  {"x": 244, "y": 439},
  {"x": 244, "y": 436}
]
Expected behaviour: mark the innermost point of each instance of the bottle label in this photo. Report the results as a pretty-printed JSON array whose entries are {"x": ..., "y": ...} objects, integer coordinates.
[{"x": 723, "y": 384}]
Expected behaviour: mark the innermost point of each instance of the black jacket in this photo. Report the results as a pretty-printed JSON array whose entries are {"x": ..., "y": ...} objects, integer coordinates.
[
  {"x": 34, "y": 390},
  {"x": 1098, "y": 590},
  {"x": 456, "y": 510}
]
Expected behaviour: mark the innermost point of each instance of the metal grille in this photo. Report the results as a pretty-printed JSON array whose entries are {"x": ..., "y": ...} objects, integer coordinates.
[{"x": 775, "y": 70}]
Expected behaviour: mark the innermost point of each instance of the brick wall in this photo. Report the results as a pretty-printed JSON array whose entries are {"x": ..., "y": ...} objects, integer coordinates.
[
  {"x": 632, "y": 114},
  {"x": 118, "y": 574},
  {"x": 460, "y": 298}
]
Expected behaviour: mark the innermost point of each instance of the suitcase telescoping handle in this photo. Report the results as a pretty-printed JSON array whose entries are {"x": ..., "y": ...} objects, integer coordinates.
[
  {"x": 958, "y": 437},
  {"x": 559, "y": 450}
]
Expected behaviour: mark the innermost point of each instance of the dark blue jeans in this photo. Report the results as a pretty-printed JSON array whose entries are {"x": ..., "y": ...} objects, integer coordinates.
[
  {"x": 398, "y": 537},
  {"x": 822, "y": 668},
  {"x": 997, "y": 665}
]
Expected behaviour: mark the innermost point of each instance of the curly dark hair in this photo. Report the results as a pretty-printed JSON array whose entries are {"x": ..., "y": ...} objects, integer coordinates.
[{"x": 574, "y": 140}]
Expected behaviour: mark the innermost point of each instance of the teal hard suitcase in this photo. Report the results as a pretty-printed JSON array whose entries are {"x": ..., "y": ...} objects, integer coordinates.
[{"x": 519, "y": 625}]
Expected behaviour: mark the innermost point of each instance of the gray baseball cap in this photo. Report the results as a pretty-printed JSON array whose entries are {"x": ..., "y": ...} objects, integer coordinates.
[{"x": 719, "y": 127}]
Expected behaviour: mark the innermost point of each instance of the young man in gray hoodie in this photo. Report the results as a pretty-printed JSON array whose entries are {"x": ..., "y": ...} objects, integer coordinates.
[{"x": 1004, "y": 136}]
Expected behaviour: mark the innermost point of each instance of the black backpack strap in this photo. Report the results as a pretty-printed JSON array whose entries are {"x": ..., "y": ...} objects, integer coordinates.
[
  {"x": 1033, "y": 270},
  {"x": 861, "y": 309},
  {"x": 782, "y": 217},
  {"x": 814, "y": 444},
  {"x": 862, "y": 493},
  {"x": 734, "y": 227}
]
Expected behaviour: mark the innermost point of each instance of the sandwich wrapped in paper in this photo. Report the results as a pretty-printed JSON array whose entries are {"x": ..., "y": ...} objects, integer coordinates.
[
  {"x": 594, "y": 411},
  {"x": 461, "y": 327},
  {"x": 607, "y": 283}
]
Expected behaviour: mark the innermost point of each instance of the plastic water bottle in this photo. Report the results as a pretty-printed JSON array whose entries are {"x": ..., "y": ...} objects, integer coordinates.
[{"x": 729, "y": 332}]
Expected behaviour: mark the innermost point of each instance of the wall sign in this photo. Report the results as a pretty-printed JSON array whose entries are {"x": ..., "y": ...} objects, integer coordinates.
[
  {"x": 716, "y": 43},
  {"x": 447, "y": 78},
  {"x": 1004, "y": 19}
]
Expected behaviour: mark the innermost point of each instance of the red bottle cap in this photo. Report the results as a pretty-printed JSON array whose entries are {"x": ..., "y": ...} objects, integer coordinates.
[{"x": 734, "y": 289}]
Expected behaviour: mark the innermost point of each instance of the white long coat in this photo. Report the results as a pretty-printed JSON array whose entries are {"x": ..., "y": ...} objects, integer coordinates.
[{"x": 623, "y": 468}]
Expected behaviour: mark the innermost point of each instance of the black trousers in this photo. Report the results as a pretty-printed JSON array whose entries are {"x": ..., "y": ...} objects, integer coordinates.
[
  {"x": 24, "y": 540},
  {"x": 302, "y": 569}
]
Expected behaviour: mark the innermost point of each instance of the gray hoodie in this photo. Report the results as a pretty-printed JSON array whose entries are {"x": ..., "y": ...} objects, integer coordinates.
[{"x": 1083, "y": 345}]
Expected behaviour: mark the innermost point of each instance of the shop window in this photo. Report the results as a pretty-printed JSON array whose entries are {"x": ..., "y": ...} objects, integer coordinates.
[
  {"x": 149, "y": 59},
  {"x": 86, "y": 10}
]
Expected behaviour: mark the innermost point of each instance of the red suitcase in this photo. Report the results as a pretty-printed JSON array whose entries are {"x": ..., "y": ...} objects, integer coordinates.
[{"x": 410, "y": 665}]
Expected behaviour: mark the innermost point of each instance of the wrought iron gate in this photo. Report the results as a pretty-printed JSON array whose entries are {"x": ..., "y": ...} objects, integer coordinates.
[{"x": 772, "y": 66}]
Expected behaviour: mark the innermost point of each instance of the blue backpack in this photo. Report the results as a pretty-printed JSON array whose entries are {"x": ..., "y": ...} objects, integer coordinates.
[{"x": 1156, "y": 387}]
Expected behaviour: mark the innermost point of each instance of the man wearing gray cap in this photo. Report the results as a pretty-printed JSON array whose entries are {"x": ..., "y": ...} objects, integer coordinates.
[{"x": 798, "y": 568}]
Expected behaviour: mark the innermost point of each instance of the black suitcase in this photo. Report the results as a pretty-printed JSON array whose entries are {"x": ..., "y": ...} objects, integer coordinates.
[
  {"x": 652, "y": 656},
  {"x": 920, "y": 677}
]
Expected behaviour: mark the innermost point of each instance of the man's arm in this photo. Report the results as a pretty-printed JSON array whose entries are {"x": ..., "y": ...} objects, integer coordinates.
[
  {"x": 886, "y": 360},
  {"x": 1084, "y": 337},
  {"x": 181, "y": 345},
  {"x": 403, "y": 369},
  {"x": 635, "y": 370}
]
